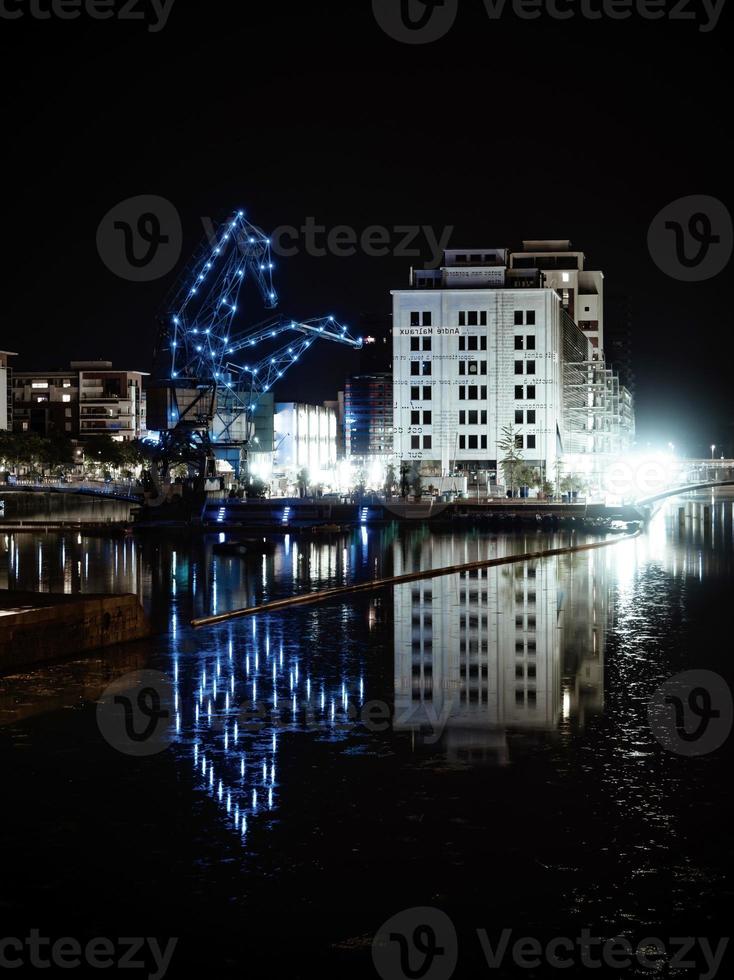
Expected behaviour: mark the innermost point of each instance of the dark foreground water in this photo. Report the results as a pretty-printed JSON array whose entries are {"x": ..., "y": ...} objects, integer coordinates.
[{"x": 475, "y": 744}]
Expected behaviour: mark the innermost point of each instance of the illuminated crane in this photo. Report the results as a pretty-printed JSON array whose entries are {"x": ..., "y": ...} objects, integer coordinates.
[{"x": 204, "y": 395}]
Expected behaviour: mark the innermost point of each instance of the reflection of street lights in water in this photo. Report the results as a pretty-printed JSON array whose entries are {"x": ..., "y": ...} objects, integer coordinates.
[{"x": 713, "y": 449}]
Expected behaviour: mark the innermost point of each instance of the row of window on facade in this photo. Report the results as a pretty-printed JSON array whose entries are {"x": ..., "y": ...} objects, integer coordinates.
[
  {"x": 472, "y": 392},
  {"x": 472, "y": 318},
  {"x": 470, "y": 442}
]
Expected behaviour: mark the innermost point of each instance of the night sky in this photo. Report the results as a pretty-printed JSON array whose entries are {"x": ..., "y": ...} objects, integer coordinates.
[{"x": 504, "y": 130}]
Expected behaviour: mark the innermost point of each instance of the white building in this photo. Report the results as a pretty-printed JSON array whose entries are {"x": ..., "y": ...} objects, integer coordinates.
[
  {"x": 305, "y": 438},
  {"x": 478, "y": 346},
  {"x": 6, "y": 391},
  {"x": 581, "y": 290}
]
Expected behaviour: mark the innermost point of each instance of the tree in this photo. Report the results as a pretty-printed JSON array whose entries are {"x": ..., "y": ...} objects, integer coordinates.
[
  {"x": 257, "y": 488},
  {"x": 511, "y": 455},
  {"x": 573, "y": 484},
  {"x": 302, "y": 482},
  {"x": 390, "y": 480}
]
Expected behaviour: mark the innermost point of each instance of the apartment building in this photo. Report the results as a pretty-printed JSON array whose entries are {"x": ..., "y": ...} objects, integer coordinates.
[
  {"x": 6, "y": 390},
  {"x": 89, "y": 398}
]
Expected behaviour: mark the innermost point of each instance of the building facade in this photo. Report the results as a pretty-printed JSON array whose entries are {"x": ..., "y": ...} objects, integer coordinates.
[
  {"x": 486, "y": 344},
  {"x": 305, "y": 439},
  {"x": 88, "y": 399},
  {"x": 368, "y": 415},
  {"x": 6, "y": 390},
  {"x": 476, "y": 349}
]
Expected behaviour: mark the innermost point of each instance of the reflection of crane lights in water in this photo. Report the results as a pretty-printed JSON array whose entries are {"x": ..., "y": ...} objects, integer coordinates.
[{"x": 242, "y": 794}]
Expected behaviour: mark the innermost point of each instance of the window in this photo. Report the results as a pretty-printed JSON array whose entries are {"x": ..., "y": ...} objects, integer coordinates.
[
  {"x": 483, "y": 442},
  {"x": 518, "y": 318},
  {"x": 518, "y": 391},
  {"x": 473, "y": 416},
  {"x": 426, "y": 343},
  {"x": 472, "y": 343},
  {"x": 530, "y": 343},
  {"x": 462, "y": 393},
  {"x": 39, "y": 384},
  {"x": 518, "y": 343},
  {"x": 462, "y": 417},
  {"x": 428, "y": 319},
  {"x": 415, "y": 319},
  {"x": 415, "y": 393},
  {"x": 518, "y": 367},
  {"x": 462, "y": 367},
  {"x": 531, "y": 392},
  {"x": 530, "y": 318},
  {"x": 415, "y": 442},
  {"x": 427, "y": 392},
  {"x": 473, "y": 442},
  {"x": 531, "y": 416},
  {"x": 531, "y": 442},
  {"x": 484, "y": 416},
  {"x": 531, "y": 367},
  {"x": 473, "y": 366},
  {"x": 482, "y": 367},
  {"x": 462, "y": 442},
  {"x": 566, "y": 277},
  {"x": 473, "y": 393},
  {"x": 462, "y": 343},
  {"x": 518, "y": 416},
  {"x": 426, "y": 367},
  {"x": 483, "y": 393},
  {"x": 518, "y": 442},
  {"x": 483, "y": 318},
  {"x": 427, "y": 416},
  {"x": 415, "y": 368},
  {"x": 473, "y": 318},
  {"x": 462, "y": 318},
  {"x": 415, "y": 343},
  {"x": 66, "y": 398},
  {"x": 427, "y": 442},
  {"x": 415, "y": 418}
]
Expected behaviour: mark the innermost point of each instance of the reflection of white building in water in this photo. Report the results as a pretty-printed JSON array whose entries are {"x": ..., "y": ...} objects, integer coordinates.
[{"x": 482, "y": 652}]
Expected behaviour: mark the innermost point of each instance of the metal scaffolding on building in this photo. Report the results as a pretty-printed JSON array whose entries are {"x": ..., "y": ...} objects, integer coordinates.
[{"x": 598, "y": 411}]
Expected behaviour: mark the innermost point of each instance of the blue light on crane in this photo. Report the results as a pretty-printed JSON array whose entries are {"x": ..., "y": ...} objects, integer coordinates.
[{"x": 207, "y": 306}]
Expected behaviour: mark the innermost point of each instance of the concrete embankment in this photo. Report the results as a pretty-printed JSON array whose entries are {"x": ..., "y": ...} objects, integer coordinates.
[{"x": 41, "y": 627}]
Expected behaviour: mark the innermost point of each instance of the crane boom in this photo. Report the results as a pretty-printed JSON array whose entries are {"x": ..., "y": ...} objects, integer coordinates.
[{"x": 203, "y": 393}]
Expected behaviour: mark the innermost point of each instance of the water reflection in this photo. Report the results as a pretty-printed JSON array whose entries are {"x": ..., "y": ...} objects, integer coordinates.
[
  {"x": 239, "y": 704},
  {"x": 514, "y": 647},
  {"x": 473, "y": 662}
]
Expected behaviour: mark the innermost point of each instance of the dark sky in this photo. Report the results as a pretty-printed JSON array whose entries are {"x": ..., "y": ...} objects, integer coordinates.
[{"x": 504, "y": 129}]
